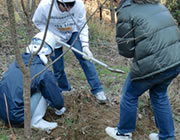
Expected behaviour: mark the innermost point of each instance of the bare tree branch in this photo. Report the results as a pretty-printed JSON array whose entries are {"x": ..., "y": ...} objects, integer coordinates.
[
  {"x": 28, "y": 6},
  {"x": 7, "y": 112},
  {"x": 24, "y": 9},
  {"x": 45, "y": 32},
  {"x": 33, "y": 7},
  {"x": 48, "y": 66},
  {"x": 87, "y": 22},
  {"x": 23, "y": 68},
  {"x": 19, "y": 10},
  {"x": 28, "y": 19}
]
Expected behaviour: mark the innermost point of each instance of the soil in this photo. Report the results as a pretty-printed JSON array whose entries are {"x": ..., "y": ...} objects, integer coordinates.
[{"x": 85, "y": 119}]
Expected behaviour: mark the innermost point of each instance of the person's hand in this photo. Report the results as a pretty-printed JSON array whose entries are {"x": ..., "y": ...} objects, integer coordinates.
[
  {"x": 87, "y": 52},
  {"x": 61, "y": 111}
]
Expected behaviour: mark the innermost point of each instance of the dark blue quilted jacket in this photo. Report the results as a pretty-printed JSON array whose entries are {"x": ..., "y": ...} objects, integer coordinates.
[{"x": 12, "y": 86}]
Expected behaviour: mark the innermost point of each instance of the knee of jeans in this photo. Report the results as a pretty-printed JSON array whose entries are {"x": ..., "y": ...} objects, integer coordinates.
[{"x": 128, "y": 103}]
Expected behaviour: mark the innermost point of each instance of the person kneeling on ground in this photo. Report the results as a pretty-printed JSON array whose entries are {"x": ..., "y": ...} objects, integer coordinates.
[{"x": 44, "y": 90}]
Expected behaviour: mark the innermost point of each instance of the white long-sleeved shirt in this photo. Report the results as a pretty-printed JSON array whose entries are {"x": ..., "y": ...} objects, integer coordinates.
[{"x": 62, "y": 24}]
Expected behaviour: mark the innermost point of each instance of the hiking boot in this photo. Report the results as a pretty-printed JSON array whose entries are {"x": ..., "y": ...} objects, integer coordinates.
[
  {"x": 113, "y": 132},
  {"x": 60, "y": 111},
  {"x": 153, "y": 136},
  {"x": 101, "y": 98}
]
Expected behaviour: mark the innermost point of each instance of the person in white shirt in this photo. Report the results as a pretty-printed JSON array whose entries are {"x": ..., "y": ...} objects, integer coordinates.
[{"x": 67, "y": 19}]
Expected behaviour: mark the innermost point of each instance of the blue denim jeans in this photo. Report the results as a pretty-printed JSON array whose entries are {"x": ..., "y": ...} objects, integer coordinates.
[
  {"x": 157, "y": 86},
  {"x": 88, "y": 68}
]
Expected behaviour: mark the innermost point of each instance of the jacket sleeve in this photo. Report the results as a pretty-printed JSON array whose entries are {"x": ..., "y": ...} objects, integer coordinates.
[
  {"x": 51, "y": 92},
  {"x": 125, "y": 36},
  {"x": 39, "y": 17},
  {"x": 84, "y": 35}
]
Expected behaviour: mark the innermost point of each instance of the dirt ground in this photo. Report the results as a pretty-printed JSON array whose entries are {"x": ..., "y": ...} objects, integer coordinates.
[{"x": 85, "y": 119}]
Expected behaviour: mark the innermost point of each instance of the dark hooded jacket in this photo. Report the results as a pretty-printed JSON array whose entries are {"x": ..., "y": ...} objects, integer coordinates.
[
  {"x": 147, "y": 32},
  {"x": 11, "y": 86}
]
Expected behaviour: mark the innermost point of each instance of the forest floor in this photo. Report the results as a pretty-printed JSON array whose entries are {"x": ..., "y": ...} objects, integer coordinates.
[{"x": 85, "y": 119}]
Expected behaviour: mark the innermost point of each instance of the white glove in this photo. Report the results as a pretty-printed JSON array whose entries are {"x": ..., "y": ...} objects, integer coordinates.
[
  {"x": 60, "y": 111},
  {"x": 87, "y": 52}
]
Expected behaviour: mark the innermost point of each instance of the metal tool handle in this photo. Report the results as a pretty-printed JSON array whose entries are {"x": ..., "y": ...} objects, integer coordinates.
[{"x": 92, "y": 58}]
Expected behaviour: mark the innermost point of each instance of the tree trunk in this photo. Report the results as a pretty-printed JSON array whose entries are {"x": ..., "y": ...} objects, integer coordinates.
[
  {"x": 27, "y": 105},
  {"x": 23, "y": 68},
  {"x": 27, "y": 11},
  {"x": 112, "y": 12}
]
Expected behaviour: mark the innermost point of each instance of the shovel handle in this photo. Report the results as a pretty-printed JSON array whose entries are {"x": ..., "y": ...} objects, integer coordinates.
[{"x": 92, "y": 58}]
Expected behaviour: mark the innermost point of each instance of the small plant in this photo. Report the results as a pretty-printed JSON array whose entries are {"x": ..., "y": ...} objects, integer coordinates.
[
  {"x": 101, "y": 32},
  {"x": 68, "y": 122},
  {"x": 3, "y": 137}
]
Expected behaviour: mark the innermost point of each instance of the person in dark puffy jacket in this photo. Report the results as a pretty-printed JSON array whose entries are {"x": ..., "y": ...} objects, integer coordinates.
[
  {"x": 44, "y": 89},
  {"x": 147, "y": 32}
]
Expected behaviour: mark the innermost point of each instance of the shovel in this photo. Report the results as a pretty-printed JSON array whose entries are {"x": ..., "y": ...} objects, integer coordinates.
[{"x": 92, "y": 58}]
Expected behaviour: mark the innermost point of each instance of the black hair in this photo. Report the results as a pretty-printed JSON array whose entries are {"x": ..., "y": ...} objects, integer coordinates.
[
  {"x": 66, "y": 4},
  {"x": 146, "y": 1}
]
